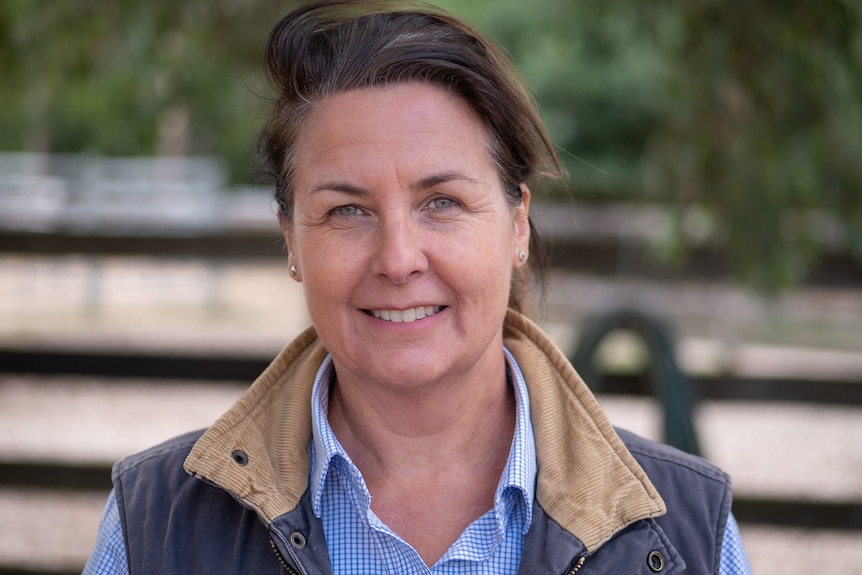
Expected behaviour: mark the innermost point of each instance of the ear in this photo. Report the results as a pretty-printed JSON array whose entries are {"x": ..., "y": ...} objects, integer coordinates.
[{"x": 522, "y": 226}]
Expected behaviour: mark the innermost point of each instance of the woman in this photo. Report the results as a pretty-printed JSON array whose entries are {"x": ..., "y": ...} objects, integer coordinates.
[{"x": 422, "y": 424}]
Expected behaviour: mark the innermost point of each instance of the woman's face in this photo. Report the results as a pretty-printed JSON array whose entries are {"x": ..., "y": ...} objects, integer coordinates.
[{"x": 402, "y": 235}]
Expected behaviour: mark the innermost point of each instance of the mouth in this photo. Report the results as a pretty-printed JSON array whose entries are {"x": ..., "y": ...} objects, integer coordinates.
[{"x": 405, "y": 315}]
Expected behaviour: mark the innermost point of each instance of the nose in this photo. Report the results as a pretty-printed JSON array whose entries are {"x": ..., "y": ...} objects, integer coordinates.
[{"x": 399, "y": 253}]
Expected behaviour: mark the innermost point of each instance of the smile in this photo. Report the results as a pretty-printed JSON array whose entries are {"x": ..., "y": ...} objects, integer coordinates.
[{"x": 405, "y": 315}]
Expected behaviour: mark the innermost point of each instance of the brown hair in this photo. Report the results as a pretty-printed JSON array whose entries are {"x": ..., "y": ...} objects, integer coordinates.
[{"x": 331, "y": 47}]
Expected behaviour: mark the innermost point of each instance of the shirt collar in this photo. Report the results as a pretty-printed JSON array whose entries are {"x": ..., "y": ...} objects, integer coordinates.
[
  {"x": 325, "y": 447},
  {"x": 520, "y": 470},
  {"x": 519, "y": 474}
]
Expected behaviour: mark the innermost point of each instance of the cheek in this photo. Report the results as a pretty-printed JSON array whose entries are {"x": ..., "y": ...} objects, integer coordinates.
[
  {"x": 331, "y": 280},
  {"x": 326, "y": 304},
  {"x": 320, "y": 253},
  {"x": 323, "y": 282},
  {"x": 485, "y": 263}
]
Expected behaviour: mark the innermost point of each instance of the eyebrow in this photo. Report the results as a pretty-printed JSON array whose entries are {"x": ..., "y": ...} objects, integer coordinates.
[
  {"x": 342, "y": 187},
  {"x": 424, "y": 183},
  {"x": 436, "y": 179}
]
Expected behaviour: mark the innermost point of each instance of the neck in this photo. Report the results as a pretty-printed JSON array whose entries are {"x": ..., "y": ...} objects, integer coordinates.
[{"x": 415, "y": 431}]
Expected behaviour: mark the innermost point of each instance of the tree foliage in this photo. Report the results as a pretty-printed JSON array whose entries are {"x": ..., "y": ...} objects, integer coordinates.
[
  {"x": 133, "y": 77},
  {"x": 747, "y": 116},
  {"x": 765, "y": 129}
]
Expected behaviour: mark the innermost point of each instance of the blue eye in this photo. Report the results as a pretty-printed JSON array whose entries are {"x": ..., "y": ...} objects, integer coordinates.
[{"x": 347, "y": 211}]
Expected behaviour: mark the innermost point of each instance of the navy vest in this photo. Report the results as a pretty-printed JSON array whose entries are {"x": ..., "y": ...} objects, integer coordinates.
[{"x": 176, "y": 524}]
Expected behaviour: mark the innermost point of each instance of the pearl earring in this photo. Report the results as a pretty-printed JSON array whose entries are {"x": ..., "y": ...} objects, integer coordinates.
[
  {"x": 293, "y": 271},
  {"x": 522, "y": 257}
]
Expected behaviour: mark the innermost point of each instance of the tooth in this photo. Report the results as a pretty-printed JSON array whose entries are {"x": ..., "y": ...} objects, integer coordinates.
[{"x": 407, "y": 315}]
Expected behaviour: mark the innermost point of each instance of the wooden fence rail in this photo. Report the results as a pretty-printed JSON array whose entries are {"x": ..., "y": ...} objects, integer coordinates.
[
  {"x": 599, "y": 256},
  {"x": 845, "y": 515},
  {"x": 162, "y": 367}
]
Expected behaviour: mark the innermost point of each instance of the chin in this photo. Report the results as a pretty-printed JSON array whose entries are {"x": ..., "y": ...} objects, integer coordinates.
[{"x": 405, "y": 369}]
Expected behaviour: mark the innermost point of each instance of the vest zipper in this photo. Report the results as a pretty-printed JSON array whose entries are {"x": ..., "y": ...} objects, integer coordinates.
[
  {"x": 290, "y": 570},
  {"x": 577, "y": 566}
]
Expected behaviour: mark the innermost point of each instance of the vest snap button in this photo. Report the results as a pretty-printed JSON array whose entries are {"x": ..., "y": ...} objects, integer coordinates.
[
  {"x": 297, "y": 539},
  {"x": 655, "y": 561},
  {"x": 240, "y": 457}
]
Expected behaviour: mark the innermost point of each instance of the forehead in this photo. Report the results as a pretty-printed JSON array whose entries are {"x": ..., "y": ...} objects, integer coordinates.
[{"x": 392, "y": 121}]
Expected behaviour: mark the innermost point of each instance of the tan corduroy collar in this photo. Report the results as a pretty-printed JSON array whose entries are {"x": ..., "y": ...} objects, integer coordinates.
[{"x": 588, "y": 482}]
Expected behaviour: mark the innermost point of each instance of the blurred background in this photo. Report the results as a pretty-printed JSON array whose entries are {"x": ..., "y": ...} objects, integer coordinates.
[{"x": 706, "y": 249}]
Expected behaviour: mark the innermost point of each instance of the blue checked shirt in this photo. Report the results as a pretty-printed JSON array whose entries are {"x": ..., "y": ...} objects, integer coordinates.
[{"x": 359, "y": 542}]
